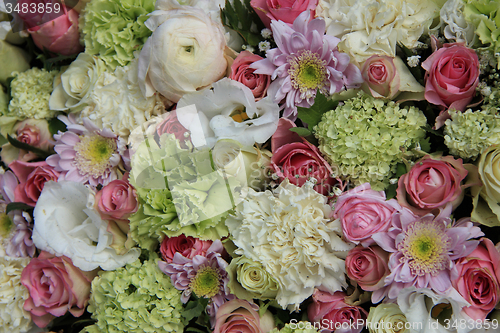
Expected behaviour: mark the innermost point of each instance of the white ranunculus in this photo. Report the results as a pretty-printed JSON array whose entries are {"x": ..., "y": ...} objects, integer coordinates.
[
  {"x": 455, "y": 26},
  {"x": 116, "y": 102},
  {"x": 227, "y": 110},
  {"x": 185, "y": 52},
  {"x": 76, "y": 83},
  {"x": 428, "y": 311},
  {"x": 13, "y": 317},
  {"x": 66, "y": 223},
  {"x": 290, "y": 233},
  {"x": 368, "y": 27}
]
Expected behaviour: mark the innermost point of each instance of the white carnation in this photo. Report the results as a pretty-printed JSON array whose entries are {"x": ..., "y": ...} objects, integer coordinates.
[
  {"x": 289, "y": 232},
  {"x": 13, "y": 318},
  {"x": 456, "y": 28},
  {"x": 368, "y": 27},
  {"x": 117, "y": 103}
]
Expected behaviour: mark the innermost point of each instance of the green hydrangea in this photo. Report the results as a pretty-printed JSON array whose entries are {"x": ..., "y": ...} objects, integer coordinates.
[
  {"x": 485, "y": 15},
  {"x": 135, "y": 298},
  {"x": 114, "y": 29},
  {"x": 365, "y": 138},
  {"x": 179, "y": 193},
  {"x": 467, "y": 134},
  {"x": 30, "y": 92},
  {"x": 298, "y": 327}
]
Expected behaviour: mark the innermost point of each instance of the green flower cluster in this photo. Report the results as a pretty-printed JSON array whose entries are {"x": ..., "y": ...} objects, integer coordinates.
[
  {"x": 114, "y": 29},
  {"x": 467, "y": 134},
  {"x": 178, "y": 192},
  {"x": 135, "y": 298},
  {"x": 298, "y": 327},
  {"x": 485, "y": 15},
  {"x": 365, "y": 138},
  {"x": 30, "y": 92}
]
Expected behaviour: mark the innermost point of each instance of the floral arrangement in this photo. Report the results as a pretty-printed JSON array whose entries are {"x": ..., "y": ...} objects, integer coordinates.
[{"x": 256, "y": 166}]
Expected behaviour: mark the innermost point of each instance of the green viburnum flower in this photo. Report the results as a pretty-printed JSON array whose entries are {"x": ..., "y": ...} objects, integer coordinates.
[
  {"x": 467, "y": 134},
  {"x": 179, "y": 192},
  {"x": 30, "y": 91},
  {"x": 365, "y": 138},
  {"x": 485, "y": 15},
  {"x": 135, "y": 298},
  {"x": 114, "y": 29},
  {"x": 249, "y": 279},
  {"x": 297, "y": 327}
]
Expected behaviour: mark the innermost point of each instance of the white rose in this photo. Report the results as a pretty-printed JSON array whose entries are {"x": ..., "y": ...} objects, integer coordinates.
[
  {"x": 184, "y": 53},
  {"x": 66, "y": 223},
  {"x": 76, "y": 83},
  {"x": 386, "y": 318}
]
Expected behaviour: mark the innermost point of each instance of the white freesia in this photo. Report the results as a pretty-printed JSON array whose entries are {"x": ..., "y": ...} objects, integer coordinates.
[
  {"x": 227, "y": 110},
  {"x": 66, "y": 223},
  {"x": 368, "y": 27},
  {"x": 13, "y": 317},
  {"x": 116, "y": 102},
  {"x": 424, "y": 307},
  {"x": 455, "y": 26},
  {"x": 185, "y": 52},
  {"x": 290, "y": 233},
  {"x": 76, "y": 83}
]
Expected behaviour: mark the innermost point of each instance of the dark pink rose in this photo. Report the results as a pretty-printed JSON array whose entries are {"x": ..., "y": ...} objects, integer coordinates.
[
  {"x": 431, "y": 184},
  {"x": 172, "y": 125},
  {"x": 334, "y": 314},
  {"x": 240, "y": 316},
  {"x": 364, "y": 212},
  {"x": 187, "y": 246},
  {"x": 258, "y": 83},
  {"x": 367, "y": 266},
  {"x": 55, "y": 287},
  {"x": 117, "y": 200},
  {"x": 381, "y": 77},
  {"x": 55, "y": 31},
  {"x": 32, "y": 178},
  {"x": 451, "y": 78},
  {"x": 479, "y": 279},
  {"x": 298, "y": 160},
  {"x": 282, "y": 10}
]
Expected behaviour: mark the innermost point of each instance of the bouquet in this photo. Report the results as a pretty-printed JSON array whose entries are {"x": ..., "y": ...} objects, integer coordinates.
[{"x": 250, "y": 166}]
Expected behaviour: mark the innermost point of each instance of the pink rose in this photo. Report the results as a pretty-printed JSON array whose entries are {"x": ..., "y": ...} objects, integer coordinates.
[
  {"x": 55, "y": 287},
  {"x": 364, "y": 212},
  {"x": 187, "y": 246},
  {"x": 451, "y": 78},
  {"x": 240, "y": 316},
  {"x": 335, "y": 314},
  {"x": 56, "y": 31},
  {"x": 381, "y": 77},
  {"x": 298, "y": 160},
  {"x": 32, "y": 178},
  {"x": 479, "y": 279},
  {"x": 172, "y": 125},
  {"x": 367, "y": 266},
  {"x": 117, "y": 200},
  {"x": 432, "y": 184},
  {"x": 284, "y": 10},
  {"x": 258, "y": 83}
]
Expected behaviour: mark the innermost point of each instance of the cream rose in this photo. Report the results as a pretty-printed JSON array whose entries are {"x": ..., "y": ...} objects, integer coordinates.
[
  {"x": 486, "y": 198},
  {"x": 387, "y": 318},
  {"x": 184, "y": 53}
]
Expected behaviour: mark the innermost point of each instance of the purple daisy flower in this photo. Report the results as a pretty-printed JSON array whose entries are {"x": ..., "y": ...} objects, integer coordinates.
[
  {"x": 306, "y": 60},
  {"x": 205, "y": 276},
  {"x": 86, "y": 154},
  {"x": 424, "y": 250}
]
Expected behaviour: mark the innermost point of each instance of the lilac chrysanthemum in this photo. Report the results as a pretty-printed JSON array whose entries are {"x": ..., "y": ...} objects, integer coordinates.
[
  {"x": 205, "y": 276},
  {"x": 424, "y": 250},
  {"x": 306, "y": 60},
  {"x": 86, "y": 154}
]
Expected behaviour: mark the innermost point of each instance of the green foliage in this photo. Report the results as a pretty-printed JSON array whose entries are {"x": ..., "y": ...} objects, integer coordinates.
[{"x": 242, "y": 18}]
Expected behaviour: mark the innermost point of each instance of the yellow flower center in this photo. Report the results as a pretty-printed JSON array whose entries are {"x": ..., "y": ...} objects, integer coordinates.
[
  {"x": 93, "y": 153},
  {"x": 308, "y": 72},
  {"x": 206, "y": 283}
]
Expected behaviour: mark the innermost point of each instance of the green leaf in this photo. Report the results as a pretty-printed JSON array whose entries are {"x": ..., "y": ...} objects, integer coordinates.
[
  {"x": 301, "y": 131},
  {"x": 241, "y": 17},
  {"x": 425, "y": 145},
  {"x": 55, "y": 125},
  {"x": 263, "y": 308},
  {"x": 3, "y": 140},
  {"x": 401, "y": 170},
  {"x": 17, "y": 206},
  {"x": 312, "y": 116},
  {"x": 390, "y": 191},
  {"x": 429, "y": 129},
  {"x": 194, "y": 308},
  {"x": 24, "y": 146}
]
